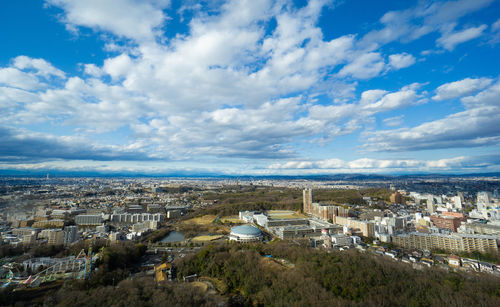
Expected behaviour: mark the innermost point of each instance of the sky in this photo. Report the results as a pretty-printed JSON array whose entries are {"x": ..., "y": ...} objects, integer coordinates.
[{"x": 254, "y": 87}]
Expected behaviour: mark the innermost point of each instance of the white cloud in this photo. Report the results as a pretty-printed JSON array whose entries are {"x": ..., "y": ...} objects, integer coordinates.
[
  {"x": 450, "y": 40},
  {"x": 387, "y": 165},
  {"x": 380, "y": 101},
  {"x": 13, "y": 77},
  {"x": 216, "y": 90},
  {"x": 394, "y": 121},
  {"x": 413, "y": 23},
  {"x": 139, "y": 20},
  {"x": 118, "y": 66},
  {"x": 42, "y": 67},
  {"x": 488, "y": 97},
  {"x": 365, "y": 66},
  {"x": 401, "y": 60},
  {"x": 476, "y": 126},
  {"x": 496, "y": 25},
  {"x": 92, "y": 70},
  {"x": 461, "y": 88}
]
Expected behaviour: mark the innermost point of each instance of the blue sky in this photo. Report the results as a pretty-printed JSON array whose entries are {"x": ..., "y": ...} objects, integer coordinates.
[{"x": 250, "y": 87}]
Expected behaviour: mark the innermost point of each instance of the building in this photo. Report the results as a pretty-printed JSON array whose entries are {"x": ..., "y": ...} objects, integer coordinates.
[
  {"x": 301, "y": 229},
  {"x": 88, "y": 220},
  {"x": 431, "y": 207},
  {"x": 245, "y": 233},
  {"x": 29, "y": 239},
  {"x": 56, "y": 237},
  {"x": 70, "y": 234},
  {"x": 20, "y": 232},
  {"x": 135, "y": 209},
  {"x": 480, "y": 228},
  {"x": 59, "y": 214},
  {"x": 367, "y": 228},
  {"x": 307, "y": 200},
  {"x": 446, "y": 222},
  {"x": 294, "y": 232},
  {"x": 155, "y": 208},
  {"x": 454, "y": 242},
  {"x": 321, "y": 211},
  {"x": 49, "y": 224},
  {"x": 145, "y": 226},
  {"x": 396, "y": 198},
  {"x": 127, "y": 218},
  {"x": 454, "y": 261},
  {"x": 341, "y": 239},
  {"x": 328, "y": 212}
]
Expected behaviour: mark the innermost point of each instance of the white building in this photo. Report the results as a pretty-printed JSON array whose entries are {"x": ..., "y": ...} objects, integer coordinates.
[{"x": 245, "y": 233}]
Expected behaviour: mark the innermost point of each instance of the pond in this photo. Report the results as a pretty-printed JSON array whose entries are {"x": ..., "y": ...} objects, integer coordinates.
[{"x": 172, "y": 237}]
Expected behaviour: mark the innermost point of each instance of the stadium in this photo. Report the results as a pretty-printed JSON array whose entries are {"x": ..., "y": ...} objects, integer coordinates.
[{"x": 245, "y": 233}]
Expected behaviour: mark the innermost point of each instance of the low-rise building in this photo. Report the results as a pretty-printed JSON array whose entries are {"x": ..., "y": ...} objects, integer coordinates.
[
  {"x": 55, "y": 237},
  {"x": 454, "y": 261},
  {"x": 454, "y": 242},
  {"x": 56, "y": 223},
  {"x": 88, "y": 220}
]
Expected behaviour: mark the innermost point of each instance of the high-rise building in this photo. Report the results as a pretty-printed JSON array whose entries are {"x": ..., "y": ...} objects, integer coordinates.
[
  {"x": 307, "y": 200},
  {"x": 70, "y": 234},
  {"x": 431, "y": 207}
]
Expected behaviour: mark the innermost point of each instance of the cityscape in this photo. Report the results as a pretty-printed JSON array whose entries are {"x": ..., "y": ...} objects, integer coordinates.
[
  {"x": 250, "y": 153},
  {"x": 58, "y": 231}
]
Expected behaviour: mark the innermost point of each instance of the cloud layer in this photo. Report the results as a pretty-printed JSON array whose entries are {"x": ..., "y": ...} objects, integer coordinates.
[{"x": 248, "y": 80}]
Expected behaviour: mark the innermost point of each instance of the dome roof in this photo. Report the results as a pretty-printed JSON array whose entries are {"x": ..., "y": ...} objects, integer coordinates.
[{"x": 246, "y": 230}]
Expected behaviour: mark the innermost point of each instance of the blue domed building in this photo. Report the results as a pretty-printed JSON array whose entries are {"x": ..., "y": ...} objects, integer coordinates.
[{"x": 245, "y": 233}]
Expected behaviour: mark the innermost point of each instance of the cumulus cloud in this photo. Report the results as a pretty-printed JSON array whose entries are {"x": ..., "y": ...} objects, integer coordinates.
[
  {"x": 13, "y": 77},
  {"x": 365, "y": 66},
  {"x": 413, "y": 23},
  {"x": 461, "y": 88},
  {"x": 217, "y": 90},
  {"x": 450, "y": 39},
  {"x": 40, "y": 66},
  {"x": 401, "y": 60},
  {"x": 476, "y": 126},
  {"x": 139, "y": 20}
]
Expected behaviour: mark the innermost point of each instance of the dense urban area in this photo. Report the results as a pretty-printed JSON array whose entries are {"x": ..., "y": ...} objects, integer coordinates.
[{"x": 350, "y": 240}]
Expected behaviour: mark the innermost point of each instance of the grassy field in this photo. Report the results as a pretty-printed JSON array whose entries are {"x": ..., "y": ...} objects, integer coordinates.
[
  {"x": 231, "y": 219},
  {"x": 207, "y": 238},
  {"x": 284, "y": 214},
  {"x": 203, "y": 220}
]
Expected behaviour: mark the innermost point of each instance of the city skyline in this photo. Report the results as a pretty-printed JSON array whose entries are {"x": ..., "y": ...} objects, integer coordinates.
[{"x": 250, "y": 87}]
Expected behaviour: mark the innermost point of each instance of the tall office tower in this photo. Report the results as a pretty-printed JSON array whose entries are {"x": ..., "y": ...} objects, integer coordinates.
[{"x": 307, "y": 202}]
